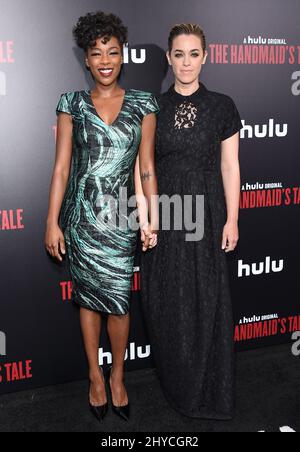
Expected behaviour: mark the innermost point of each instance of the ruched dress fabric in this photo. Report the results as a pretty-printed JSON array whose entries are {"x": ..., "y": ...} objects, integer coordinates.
[
  {"x": 100, "y": 241},
  {"x": 185, "y": 284}
]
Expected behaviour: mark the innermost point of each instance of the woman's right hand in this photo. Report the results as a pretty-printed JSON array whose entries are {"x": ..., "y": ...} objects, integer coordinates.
[
  {"x": 55, "y": 241},
  {"x": 148, "y": 238}
]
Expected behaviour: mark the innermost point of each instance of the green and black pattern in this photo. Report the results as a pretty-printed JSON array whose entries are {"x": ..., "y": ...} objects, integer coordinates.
[{"x": 101, "y": 258}]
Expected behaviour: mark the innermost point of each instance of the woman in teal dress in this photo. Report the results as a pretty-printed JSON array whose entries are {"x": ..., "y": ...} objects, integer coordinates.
[{"x": 105, "y": 154}]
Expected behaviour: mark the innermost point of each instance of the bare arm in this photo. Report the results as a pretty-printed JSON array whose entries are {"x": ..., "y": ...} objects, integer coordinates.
[
  {"x": 61, "y": 167},
  {"x": 59, "y": 183},
  {"x": 140, "y": 197},
  {"x": 230, "y": 169},
  {"x": 148, "y": 238},
  {"x": 147, "y": 168}
]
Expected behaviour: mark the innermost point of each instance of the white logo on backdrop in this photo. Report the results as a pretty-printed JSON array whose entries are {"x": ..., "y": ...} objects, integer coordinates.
[
  {"x": 133, "y": 353},
  {"x": 134, "y": 56},
  {"x": 268, "y": 130},
  {"x": 259, "y": 269},
  {"x": 262, "y": 41}
]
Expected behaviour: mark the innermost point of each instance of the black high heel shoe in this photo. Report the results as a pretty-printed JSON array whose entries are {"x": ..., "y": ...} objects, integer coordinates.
[
  {"x": 99, "y": 411},
  {"x": 122, "y": 411}
]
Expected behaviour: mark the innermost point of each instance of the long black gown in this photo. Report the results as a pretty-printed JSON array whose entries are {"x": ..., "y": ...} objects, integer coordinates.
[{"x": 185, "y": 286}]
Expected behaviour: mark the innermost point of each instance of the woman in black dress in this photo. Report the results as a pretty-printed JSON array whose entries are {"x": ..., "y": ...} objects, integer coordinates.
[{"x": 185, "y": 285}]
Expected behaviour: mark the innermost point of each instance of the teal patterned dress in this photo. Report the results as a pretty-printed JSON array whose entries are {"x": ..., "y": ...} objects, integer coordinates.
[{"x": 100, "y": 250}]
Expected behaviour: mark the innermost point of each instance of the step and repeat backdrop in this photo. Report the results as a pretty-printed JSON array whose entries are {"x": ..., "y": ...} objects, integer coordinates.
[{"x": 254, "y": 56}]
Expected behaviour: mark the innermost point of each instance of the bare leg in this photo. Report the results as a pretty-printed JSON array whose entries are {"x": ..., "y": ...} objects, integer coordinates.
[
  {"x": 91, "y": 327},
  {"x": 118, "y": 330}
]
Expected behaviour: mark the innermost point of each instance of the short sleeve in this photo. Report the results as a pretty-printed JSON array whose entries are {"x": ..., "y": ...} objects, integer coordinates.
[
  {"x": 150, "y": 106},
  {"x": 63, "y": 105},
  {"x": 232, "y": 120}
]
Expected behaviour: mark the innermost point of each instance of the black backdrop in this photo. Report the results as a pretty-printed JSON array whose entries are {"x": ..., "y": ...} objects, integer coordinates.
[{"x": 38, "y": 62}]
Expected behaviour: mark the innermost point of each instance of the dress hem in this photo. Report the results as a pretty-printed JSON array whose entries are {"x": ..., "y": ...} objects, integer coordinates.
[
  {"x": 209, "y": 416},
  {"x": 102, "y": 311}
]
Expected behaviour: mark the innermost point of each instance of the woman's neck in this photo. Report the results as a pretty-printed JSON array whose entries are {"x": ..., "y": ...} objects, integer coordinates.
[
  {"x": 186, "y": 89},
  {"x": 106, "y": 91}
]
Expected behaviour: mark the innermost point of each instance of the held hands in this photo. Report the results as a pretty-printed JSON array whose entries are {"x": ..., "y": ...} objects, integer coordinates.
[
  {"x": 230, "y": 236},
  {"x": 148, "y": 237},
  {"x": 55, "y": 242}
]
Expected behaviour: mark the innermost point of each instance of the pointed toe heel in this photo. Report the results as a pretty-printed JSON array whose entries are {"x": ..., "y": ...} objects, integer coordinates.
[
  {"x": 99, "y": 411},
  {"x": 122, "y": 411}
]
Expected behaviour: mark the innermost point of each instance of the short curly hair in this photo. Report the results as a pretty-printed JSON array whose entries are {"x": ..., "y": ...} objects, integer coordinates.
[{"x": 97, "y": 25}]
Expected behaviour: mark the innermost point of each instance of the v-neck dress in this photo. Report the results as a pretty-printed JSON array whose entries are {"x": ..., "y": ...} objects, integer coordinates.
[{"x": 94, "y": 217}]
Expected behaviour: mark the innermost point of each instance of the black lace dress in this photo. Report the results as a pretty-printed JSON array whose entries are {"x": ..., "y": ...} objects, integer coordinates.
[{"x": 185, "y": 287}]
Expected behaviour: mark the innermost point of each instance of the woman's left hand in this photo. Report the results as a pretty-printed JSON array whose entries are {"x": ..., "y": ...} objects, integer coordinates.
[
  {"x": 148, "y": 238},
  {"x": 230, "y": 236}
]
